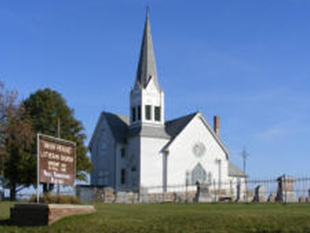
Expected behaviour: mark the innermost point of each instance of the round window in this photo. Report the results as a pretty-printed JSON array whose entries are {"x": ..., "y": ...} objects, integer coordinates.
[{"x": 199, "y": 149}]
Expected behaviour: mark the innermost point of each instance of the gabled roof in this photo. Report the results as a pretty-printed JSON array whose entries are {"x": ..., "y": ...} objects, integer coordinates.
[
  {"x": 147, "y": 66},
  {"x": 176, "y": 126},
  {"x": 233, "y": 170},
  {"x": 118, "y": 125},
  {"x": 219, "y": 141}
]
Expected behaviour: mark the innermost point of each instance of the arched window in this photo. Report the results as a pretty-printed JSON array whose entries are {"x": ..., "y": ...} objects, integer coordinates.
[{"x": 199, "y": 174}]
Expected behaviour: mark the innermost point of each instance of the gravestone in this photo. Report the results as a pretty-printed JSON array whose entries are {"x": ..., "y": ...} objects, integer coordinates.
[
  {"x": 108, "y": 195},
  {"x": 143, "y": 195},
  {"x": 285, "y": 191},
  {"x": 132, "y": 197},
  {"x": 308, "y": 198},
  {"x": 302, "y": 199},
  {"x": 121, "y": 197},
  {"x": 203, "y": 193},
  {"x": 260, "y": 194},
  {"x": 179, "y": 197},
  {"x": 169, "y": 197},
  {"x": 271, "y": 197}
]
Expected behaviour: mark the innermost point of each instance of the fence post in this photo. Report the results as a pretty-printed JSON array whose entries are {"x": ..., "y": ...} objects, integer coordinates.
[
  {"x": 246, "y": 190},
  {"x": 186, "y": 194},
  {"x": 163, "y": 194},
  {"x": 214, "y": 191},
  {"x": 285, "y": 191}
]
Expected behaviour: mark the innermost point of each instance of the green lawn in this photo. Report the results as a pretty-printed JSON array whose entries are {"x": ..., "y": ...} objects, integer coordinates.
[{"x": 178, "y": 218}]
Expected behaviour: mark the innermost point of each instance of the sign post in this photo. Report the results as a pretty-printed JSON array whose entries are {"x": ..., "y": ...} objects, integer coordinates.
[
  {"x": 38, "y": 169},
  {"x": 56, "y": 161}
]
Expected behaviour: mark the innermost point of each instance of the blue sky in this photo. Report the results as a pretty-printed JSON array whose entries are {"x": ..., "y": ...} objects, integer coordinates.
[{"x": 246, "y": 61}]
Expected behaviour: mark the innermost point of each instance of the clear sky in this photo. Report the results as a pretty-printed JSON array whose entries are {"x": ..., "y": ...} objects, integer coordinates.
[{"x": 246, "y": 61}]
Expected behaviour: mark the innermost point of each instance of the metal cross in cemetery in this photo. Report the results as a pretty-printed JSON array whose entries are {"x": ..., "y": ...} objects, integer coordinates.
[{"x": 244, "y": 155}]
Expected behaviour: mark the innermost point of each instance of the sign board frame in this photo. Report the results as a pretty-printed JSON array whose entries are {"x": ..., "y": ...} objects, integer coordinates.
[{"x": 59, "y": 141}]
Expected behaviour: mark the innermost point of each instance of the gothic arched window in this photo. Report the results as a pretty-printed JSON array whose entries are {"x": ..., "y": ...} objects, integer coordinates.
[{"x": 199, "y": 174}]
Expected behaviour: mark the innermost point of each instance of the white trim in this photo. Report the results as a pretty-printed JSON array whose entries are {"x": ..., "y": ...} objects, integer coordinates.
[
  {"x": 214, "y": 135},
  {"x": 96, "y": 129},
  {"x": 217, "y": 139},
  {"x": 56, "y": 139}
]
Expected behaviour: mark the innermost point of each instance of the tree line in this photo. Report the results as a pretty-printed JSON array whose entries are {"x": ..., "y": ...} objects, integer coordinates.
[{"x": 42, "y": 112}]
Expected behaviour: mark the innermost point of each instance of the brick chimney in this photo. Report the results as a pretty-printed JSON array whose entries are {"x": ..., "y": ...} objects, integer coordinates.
[{"x": 217, "y": 125}]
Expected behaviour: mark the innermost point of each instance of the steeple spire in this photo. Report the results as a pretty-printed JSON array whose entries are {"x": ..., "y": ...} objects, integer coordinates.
[
  {"x": 147, "y": 67},
  {"x": 147, "y": 98}
]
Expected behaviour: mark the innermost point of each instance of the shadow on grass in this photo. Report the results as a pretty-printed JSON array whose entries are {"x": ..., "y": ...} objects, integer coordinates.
[{"x": 4, "y": 222}]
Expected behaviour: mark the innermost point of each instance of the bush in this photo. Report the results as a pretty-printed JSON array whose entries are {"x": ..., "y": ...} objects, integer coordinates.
[{"x": 56, "y": 199}]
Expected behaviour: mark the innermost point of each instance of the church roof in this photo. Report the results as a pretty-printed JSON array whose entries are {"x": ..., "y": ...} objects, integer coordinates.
[
  {"x": 118, "y": 125},
  {"x": 148, "y": 131},
  {"x": 147, "y": 66},
  {"x": 175, "y": 126},
  {"x": 233, "y": 170}
]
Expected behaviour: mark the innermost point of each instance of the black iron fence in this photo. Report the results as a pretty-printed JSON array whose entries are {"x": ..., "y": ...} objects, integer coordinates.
[{"x": 284, "y": 189}]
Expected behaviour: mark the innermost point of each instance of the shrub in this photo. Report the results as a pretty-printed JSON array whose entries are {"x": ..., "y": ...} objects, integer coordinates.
[{"x": 56, "y": 199}]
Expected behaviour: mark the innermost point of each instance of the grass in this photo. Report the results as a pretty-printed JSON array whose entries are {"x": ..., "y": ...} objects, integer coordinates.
[{"x": 170, "y": 218}]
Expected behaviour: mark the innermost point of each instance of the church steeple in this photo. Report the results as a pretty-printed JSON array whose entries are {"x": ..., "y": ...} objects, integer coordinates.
[
  {"x": 147, "y": 98},
  {"x": 147, "y": 66}
]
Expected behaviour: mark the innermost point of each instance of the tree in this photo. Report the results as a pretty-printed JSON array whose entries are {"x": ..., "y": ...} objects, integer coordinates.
[
  {"x": 17, "y": 162},
  {"x": 45, "y": 108}
]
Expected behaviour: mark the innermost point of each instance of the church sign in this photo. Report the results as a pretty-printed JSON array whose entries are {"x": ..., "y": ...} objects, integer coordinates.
[{"x": 56, "y": 160}]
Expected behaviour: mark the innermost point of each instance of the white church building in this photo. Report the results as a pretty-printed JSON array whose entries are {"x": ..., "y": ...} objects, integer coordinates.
[{"x": 143, "y": 150}]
